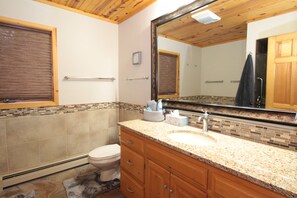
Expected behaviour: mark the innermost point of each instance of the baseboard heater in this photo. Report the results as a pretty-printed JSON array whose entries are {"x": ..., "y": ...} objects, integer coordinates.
[{"x": 20, "y": 177}]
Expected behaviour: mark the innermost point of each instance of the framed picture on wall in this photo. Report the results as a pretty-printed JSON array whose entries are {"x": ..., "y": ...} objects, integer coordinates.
[{"x": 136, "y": 58}]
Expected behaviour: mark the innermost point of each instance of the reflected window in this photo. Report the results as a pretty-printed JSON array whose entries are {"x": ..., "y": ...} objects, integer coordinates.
[{"x": 168, "y": 74}]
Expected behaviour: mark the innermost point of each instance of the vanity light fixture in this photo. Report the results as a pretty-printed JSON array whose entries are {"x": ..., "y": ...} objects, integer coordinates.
[
  {"x": 136, "y": 58},
  {"x": 206, "y": 17}
]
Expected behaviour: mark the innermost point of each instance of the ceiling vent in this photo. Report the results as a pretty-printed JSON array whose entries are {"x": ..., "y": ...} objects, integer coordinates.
[{"x": 206, "y": 17}]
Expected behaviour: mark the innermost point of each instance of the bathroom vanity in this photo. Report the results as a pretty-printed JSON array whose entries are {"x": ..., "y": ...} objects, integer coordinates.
[{"x": 155, "y": 165}]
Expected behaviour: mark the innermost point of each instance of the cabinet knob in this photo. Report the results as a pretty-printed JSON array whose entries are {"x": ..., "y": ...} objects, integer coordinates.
[
  {"x": 129, "y": 163},
  {"x": 129, "y": 190},
  {"x": 170, "y": 191},
  {"x": 165, "y": 186}
]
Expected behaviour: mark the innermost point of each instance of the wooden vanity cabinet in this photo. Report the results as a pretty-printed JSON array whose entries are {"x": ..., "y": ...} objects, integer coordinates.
[
  {"x": 132, "y": 165},
  {"x": 151, "y": 170}
]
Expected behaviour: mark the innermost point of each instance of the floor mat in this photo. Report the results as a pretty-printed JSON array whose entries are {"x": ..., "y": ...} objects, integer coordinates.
[
  {"x": 30, "y": 194},
  {"x": 88, "y": 186}
]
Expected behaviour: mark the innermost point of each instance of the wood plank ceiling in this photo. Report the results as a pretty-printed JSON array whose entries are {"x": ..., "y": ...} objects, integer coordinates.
[
  {"x": 235, "y": 14},
  {"x": 115, "y": 11}
]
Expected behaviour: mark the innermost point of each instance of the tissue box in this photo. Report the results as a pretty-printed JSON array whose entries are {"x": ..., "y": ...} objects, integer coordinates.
[
  {"x": 154, "y": 116},
  {"x": 176, "y": 120}
]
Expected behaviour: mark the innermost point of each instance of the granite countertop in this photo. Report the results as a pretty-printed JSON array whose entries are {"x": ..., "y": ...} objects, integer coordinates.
[{"x": 265, "y": 165}]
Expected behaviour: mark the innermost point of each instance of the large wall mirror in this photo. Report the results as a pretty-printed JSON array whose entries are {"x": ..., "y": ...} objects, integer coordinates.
[{"x": 246, "y": 59}]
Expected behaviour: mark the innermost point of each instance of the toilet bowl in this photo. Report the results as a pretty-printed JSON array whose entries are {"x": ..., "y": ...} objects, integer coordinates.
[{"x": 107, "y": 160}]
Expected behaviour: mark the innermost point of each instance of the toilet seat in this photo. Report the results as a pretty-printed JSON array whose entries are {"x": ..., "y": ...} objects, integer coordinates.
[{"x": 105, "y": 152}]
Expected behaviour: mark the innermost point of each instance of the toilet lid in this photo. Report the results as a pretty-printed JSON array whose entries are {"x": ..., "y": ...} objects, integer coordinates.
[{"x": 107, "y": 151}]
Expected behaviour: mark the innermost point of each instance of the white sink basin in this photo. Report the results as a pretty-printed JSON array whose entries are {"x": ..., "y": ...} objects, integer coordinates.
[{"x": 192, "y": 138}]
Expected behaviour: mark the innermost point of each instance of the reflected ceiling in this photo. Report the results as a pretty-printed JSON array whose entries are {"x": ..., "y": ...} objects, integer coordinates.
[{"x": 235, "y": 15}]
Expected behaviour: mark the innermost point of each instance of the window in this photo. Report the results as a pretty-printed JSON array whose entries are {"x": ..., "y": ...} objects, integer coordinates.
[
  {"x": 28, "y": 65},
  {"x": 168, "y": 74}
]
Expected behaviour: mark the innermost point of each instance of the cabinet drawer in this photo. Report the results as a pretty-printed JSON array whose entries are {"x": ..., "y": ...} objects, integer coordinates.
[
  {"x": 229, "y": 186},
  {"x": 132, "y": 142},
  {"x": 129, "y": 187},
  {"x": 132, "y": 162},
  {"x": 189, "y": 168}
]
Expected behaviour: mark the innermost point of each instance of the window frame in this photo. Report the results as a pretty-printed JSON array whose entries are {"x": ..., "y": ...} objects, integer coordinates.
[{"x": 53, "y": 31}]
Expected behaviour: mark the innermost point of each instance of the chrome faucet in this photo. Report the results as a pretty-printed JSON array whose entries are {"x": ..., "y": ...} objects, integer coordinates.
[{"x": 204, "y": 119}]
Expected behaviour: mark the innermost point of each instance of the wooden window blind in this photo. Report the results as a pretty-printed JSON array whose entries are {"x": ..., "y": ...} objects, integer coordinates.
[
  {"x": 168, "y": 74},
  {"x": 26, "y": 64}
]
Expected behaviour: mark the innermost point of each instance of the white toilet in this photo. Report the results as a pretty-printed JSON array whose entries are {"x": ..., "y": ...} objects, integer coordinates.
[{"x": 107, "y": 160}]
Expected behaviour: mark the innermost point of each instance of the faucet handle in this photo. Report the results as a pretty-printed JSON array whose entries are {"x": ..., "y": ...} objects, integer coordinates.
[{"x": 204, "y": 111}]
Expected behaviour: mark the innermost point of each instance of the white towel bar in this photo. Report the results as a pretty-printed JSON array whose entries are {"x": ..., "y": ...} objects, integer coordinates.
[{"x": 87, "y": 78}]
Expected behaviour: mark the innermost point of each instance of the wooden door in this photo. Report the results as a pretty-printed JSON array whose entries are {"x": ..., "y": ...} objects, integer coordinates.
[
  {"x": 156, "y": 181},
  {"x": 281, "y": 83},
  {"x": 182, "y": 189}
]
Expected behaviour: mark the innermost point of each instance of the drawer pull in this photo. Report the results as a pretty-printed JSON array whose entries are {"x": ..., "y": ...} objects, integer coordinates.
[
  {"x": 128, "y": 141},
  {"x": 165, "y": 186},
  {"x": 129, "y": 190},
  {"x": 170, "y": 191},
  {"x": 129, "y": 163}
]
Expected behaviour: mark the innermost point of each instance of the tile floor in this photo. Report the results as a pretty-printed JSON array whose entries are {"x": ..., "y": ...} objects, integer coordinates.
[{"x": 52, "y": 186}]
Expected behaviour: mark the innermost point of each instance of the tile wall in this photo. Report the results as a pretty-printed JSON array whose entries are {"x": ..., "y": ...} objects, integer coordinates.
[
  {"x": 33, "y": 139},
  {"x": 208, "y": 99},
  {"x": 39, "y": 136}
]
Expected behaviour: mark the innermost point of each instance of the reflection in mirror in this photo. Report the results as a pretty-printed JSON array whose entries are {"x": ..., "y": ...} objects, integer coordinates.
[{"x": 212, "y": 56}]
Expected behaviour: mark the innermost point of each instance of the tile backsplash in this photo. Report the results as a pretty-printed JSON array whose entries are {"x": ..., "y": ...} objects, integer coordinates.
[
  {"x": 271, "y": 134},
  {"x": 208, "y": 99},
  {"x": 61, "y": 109}
]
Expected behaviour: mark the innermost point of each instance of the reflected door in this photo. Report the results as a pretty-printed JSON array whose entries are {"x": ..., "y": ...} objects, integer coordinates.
[{"x": 282, "y": 72}]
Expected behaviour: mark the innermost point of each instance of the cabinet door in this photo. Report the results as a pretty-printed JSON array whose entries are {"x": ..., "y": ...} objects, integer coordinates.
[
  {"x": 182, "y": 189},
  {"x": 156, "y": 181}
]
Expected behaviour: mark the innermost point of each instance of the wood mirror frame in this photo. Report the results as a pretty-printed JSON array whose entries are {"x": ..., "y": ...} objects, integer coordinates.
[{"x": 263, "y": 115}]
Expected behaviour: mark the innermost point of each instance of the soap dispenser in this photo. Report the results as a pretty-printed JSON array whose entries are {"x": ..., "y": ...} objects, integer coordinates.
[{"x": 159, "y": 105}]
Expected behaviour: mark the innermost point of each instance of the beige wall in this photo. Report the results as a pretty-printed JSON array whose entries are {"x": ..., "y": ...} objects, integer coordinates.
[
  {"x": 125, "y": 115},
  {"x": 135, "y": 35},
  {"x": 222, "y": 62},
  {"x": 190, "y": 64},
  {"x": 86, "y": 47},
  {"x": 198, "y": 65}
]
